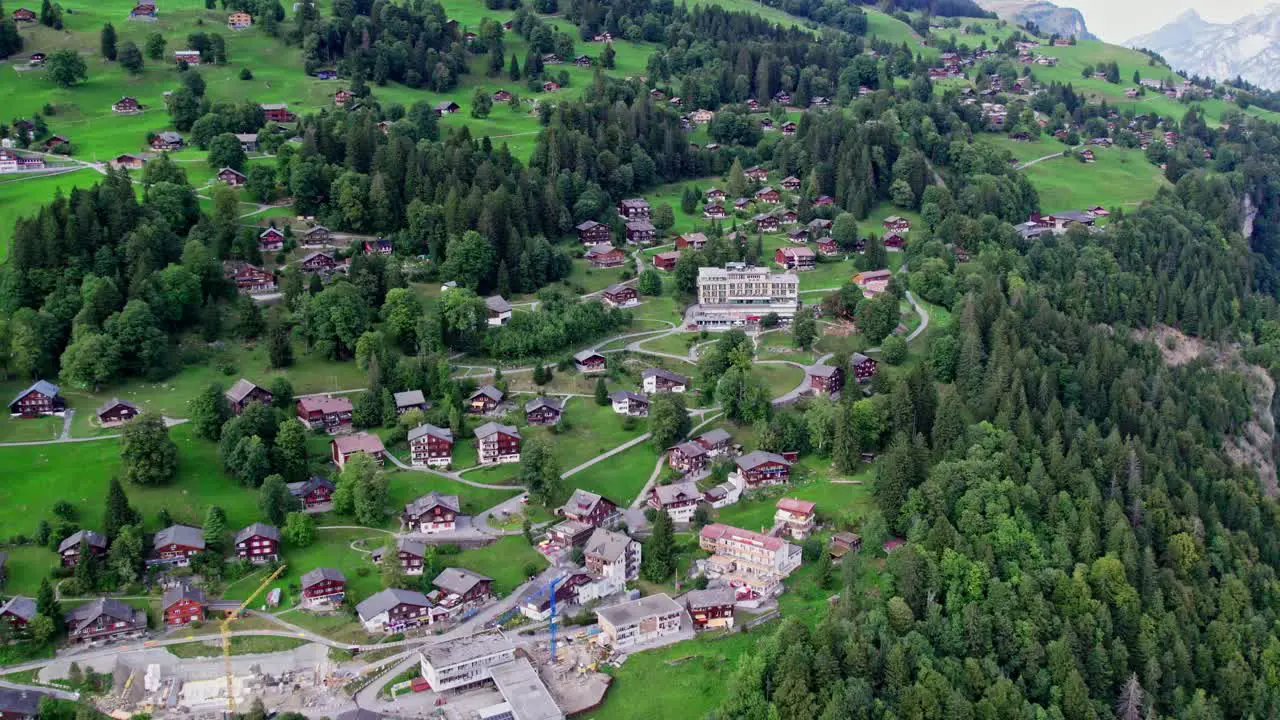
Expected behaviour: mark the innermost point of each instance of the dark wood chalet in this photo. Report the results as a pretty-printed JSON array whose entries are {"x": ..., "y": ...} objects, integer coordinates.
[
  {"x": 380, "y": 246},
  {"x": 74, "y": 546},
  {"x": 695, "y": 240},
  {"x": 258, "y": 543},
  {"x": 894, "y": 241},
  {"x": 318, "y": 235},
  {"x": 626, "y": 402},
  {"x": 619, "y": 295},
  {"x": 589, "y": 508},
  {"x": 757, "y": 174},
  {"x": 116, "y": 412},
  {"x": 17, "y": 613},
  {"x": 827, "y": 246},
  {"x": 666, "y": 260},
  {"x": 825, "y": 379},
  {"x": 277, "y": 112},
  {"x": 711, "y": 609},
  {"x": 250, "y": 278},
  {"x": 41, "y": 398},
  {"x": 864, "y": 368},
  {"x": 765, "y": 223},
  {"x": 543, "y": 411},
  {"x": 176, "y": 545},
  {"x": 459, "y": 587},
  {"x": 104, "y": 619},
  {"x": 232, "y": 177},
  {"x": 312, "y": 492},
  {"x": 589, "y": 362},
  {"x": 791, "y": 183},
  {"x": 343, "y": 447},
  {"x": 407, "y": 400},
  {"x": 430, "y": 445},
  {"x": 126, "y": 104},
  {"x": 394, "y": 610},
  {"x": 497, "y": 443},
  {"x": 679, "y": 499},
  {"x": 759, "y": 469},
  {"x": 431, "y": 513},
  {"x": 605, "y": 256},
  {"x": 715, "y": 442},
  {"x": 270, "y": 240},
  {"x": 245, "y": 392},
  {"x": 323, "y": 411},
  {"x": 768, "y": 195},
  {"x": 591, "y": 232},
  {"x": 893, "y": 223},
  {"x": 167, "y": 141},
  {"x": 656, "y": 380},
  {"x": 635, "y": 209},
  {"x": 319, "y": 261},
  {"x": 24, "y": 15},
  {"x": 484, "y": 400},
  {"x": 182, "y": 605},
  {"x": 323, "y": 587},
  {"x": 640, "y": 232},
  {"x": 688, "y": 457}
]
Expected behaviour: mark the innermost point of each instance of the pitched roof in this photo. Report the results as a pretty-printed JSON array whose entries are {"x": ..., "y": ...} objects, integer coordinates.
[
  {"x": 497, "y": 303},
  {"x": 756, "y": 458},
  {"x": 710, "y": 597},
  {"x": 607, "y": 544},
  {"x": 665, "y": 375},
  {"x": 358, "y": 442},
  {"x": 795, "y": 505},
  {"x": 383, "y": 601},
  {"x": 822, "y": 370},
  {"x": 668, "y": 494},
  {"x": 458, "y": 580},
  {"x": 617, "y": 395},
  {"x": 310, "y": 485},
  {"x": 715, "y": 437},
  {"x": 488, "y": 429},
  {"x": 428, "y": 429},
  {"x": 18, "y": 606},
  {"x": 104, "y": 606},
  {"x": 858, "y": 358},
  {"x": 490, "y": 392},
  {"x": 409, "y": 397},
  {"x": 240, "y": 390},
  {"x": 237, "y": 173},
  {"x": 586, "y": 355},
  {"x": 539, "y": 402},
  {"x": 430, "y": 500},
  {"x": 582, "y": 501},
  {"x": 179, "y": 593},
  {"x": 586, "y": 225},
  {"x": 717, "y": 531},
  {"x": 311, "y": 577},
  {"x": 21, "y": 703},
  {"x": 602, "y": 249},
  {"x": 616, "y": 288},
  {"x": 690, "y": 448},
  {"x": 113, "y": 402},
  {"x": 44, "y": 387},
  {"x": 258, "y": 529},
  {"x": 325, "y": 404},
  {"x": 81, "y": 536},
  {"x": 313, "y": 255},
  {"x": 633, "y": 611},
  {"x": 184, "y": 535},
  {"x": 640, "y": 226},
  {"x": 416, "y": 548}
]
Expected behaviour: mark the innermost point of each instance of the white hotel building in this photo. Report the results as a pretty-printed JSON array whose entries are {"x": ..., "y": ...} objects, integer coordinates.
[{"x": 739, "y": 295}]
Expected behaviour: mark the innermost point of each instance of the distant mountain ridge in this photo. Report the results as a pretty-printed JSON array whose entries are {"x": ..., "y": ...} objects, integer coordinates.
[
  {"x": 1050, "y": 18},
  {"x": 1248, "y": 47}
]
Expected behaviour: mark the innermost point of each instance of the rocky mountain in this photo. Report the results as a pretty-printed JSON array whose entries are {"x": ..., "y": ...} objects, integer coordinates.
[
  {"x": 1248, "y": 47},
  {"x": 1050, "y": 18}
]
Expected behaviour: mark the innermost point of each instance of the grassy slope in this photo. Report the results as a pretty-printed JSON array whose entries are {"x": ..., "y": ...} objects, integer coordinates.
[
  {"x": 1120, "y": 177},
  {"x": 22, "y": 196}
]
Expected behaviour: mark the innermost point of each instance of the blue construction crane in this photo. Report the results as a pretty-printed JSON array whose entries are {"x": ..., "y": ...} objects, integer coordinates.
[{"x": 551, "y": 592}]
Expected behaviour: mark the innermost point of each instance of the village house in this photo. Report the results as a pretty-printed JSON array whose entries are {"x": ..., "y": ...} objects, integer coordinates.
[
  {"x": 447, "y": 107},
  {"x": 741, "y": 204},
  {"x": 666, "y": 260},
  {"x": 788, "y": 128},
  {"x": 565, "y": 534},
  {"x": 768, "y": 195},
  {"x": 182, "y": 604},
  {"x": 143, "y": 10},
  {"x": 589, "y": 509},
  {"x": 497, "y": 443},
  {"x": 378, "y": 246},
  {"x": 640, "y": 232},
  {"x": 343, "y": 447},
  {"x": 249, "y": 279},
  {"x": 824, "y": 201},
  {"x": 843, "y": 543},
  {"x": 312, "y": 492},
  {"x": 757, "y": 174},
  {"x": 484, "y": 400},
  {"x": 270, "y": 239},
  {"x": 410, "y": 554},
  {"x": 24, "y": 15},
  {"x": 714, "y": 211},
  {"x": 176, "y": 545},
  {"x": 316, "y": 236},
  {"x": 393, "y": 610},
  {"x": 765, "y": 223},
  {"x": 688, "y": 457},
  {"x": 104, "y": 619},
  {"x": 239, "y": 21},
  {"x": 232, "y": 177},
  {"x": 323, "y": 588},
  {"x": 167, "y": 141},
  {"x": 635, "y": 209},
  {"x": 591, "y": 232},
  {"x": 126, "y": 105},
  {"x": 258, "y": 543},
  {"x": 893, "y": 223},
  {"x": 18, "y": 612},
  {"x": 715, "y": 194},
  {"x": 459, "y": 589},
  {"x": 873, "y": 282},
  {"x": 759, "y": 469},
  {"x": 245, "y": 392},
  {"x": 715, "y": 442},
  {"x": 499, "y": 310},
  {"x": 407, "y": 400},
  {"x": 894, "y": 242},
  {"x": 656, "y": 380},
  {"x": 751, "y": 559},
  {"x": 431, "y": 513},
  {"x": 620, "y": 296},
  {"x": 70, "y": 549},
  {"x": 678, "y": 500},
  {"x": 786, "y": 216},
  {"x": 319, "y": 262},
  {"x": 501, "y": 96},
  {"x": 582, "y": 61},
  {"x": 827, "y": 246},
  {"x": 550, "y": 86},
  {"x": 605, "y": 255},
  {"x": 248, "y": 141},
  {"x": 128, "y": 161},
  {"x": 569, "y": 591},
  {"x": 695, "y": 240},
  {"x": 190, "y": 57},
  {"x": 640, "y": 622},
  {"x": 613, "y": 559},
  {"x": 1087, "y": 156},
  {"x": 326, "y": 74},
  {"x": 430, "y": 445},
  {"x": 864, "y": 368},
  {"x": 277, "y": 112},
  {"x": 40, "y": 398},
  {"x": 796, "y": 517},
  {"x": 543, "y": 411},
  {"x": 825, "y": 379},
  {"x": 342, "y": 97},
  {"x": 701, "y": 117},
  {"x": 800, "y": 259},
  {"x": 323, "y": 411},
  {"x": 629, "y": 403},
  {"x": 711, "y": 609}
]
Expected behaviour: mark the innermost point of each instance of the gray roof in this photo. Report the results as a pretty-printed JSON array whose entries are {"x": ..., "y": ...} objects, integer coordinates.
[
  {"x": 1080, "y": 216},
  {"x": 181, "y": 535},
  {"x": 383, "y": 601},
  {"x": 488, "y": 429},
  {"x": 582, "y": 501},
  {"x": 617, "y": 395},
  {"x": 858, "y": 358},
  {"x": 417, "y": 548},
  {"x": 74, "y": 540},
  {"x": 641, "y": 226},
  {"x": 465, "y": 649},
  {"x": 169, "y": 136},
  {"x": 240, "y": 390},
  {"x": 273, "y": 106},
  {"x": 247, "y": 137},
  {"x": 538, "y": 402},
  {"x": 432, "y": 430},
  {"x": 489, "y": 391},
  {"x": 23, "y": 607},
  {"x": 667, "y": 493},
  {"x": 263, "y": 529},
  {"x": 585, "y": 355},
  {"x": 112, "y": 403},
  {"x": 607, "y": 544},
  {"x": 311, "y": 577},
  {"x": 711, "y": 596},
  {"x": 180, "y": 592},
  {"x": 690, "y": 448},
  {"x": 305, "y": 487},
  {"x": 715, "y": 437},
  {"x": 614, "y": 289},
  {"x": 497, "y": 303},
  {"x": 756, "y": 458},
  {"x": 586, "y": 225},
  {"x": 633, "y": 611},
  {"x": 430, "y": 500},
  {"x": 524, "y": 691},
  {"x": 458, "y": 580},
  {"x": 822, "y": 370},
  {"x": 664, "y": 374},
  {"x": 410, "y": 397},
  {"x": 318, "y": 253},
  {"x": 44, "y": 387},
  {"x": 21, "y": 703},
  {"x": 104, "y": 606}
]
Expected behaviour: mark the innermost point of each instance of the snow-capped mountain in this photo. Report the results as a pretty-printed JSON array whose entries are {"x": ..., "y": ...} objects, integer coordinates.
[
  {"x": 1050, "y": 18},
  {"x": 1248, "y": 47}
]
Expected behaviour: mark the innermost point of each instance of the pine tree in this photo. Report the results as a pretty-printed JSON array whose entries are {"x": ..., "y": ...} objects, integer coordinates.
[
  {"x": 47, "y": 604},
  {"x": 514, "y": 71},
  {"x": 118, "y": 513},
  {"x": 602, "y": 393},
  {"x": 658, "y": 557},
  {"x": 215, "y": 529},
  {"x": 274, "y": 500},
  {"x": 109, "y": 42},
  {"x": 209, "y": 412}
]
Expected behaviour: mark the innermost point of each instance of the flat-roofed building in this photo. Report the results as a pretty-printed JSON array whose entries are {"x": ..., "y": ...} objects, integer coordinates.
[
  {"x": 466, "y": 662},
  {"x": 639, "y": 622},
  {"x": 739, "y": 295}
]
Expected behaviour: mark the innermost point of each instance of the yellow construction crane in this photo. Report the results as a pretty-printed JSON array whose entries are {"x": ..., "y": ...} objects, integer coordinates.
[{"x": 225, "y": 628}]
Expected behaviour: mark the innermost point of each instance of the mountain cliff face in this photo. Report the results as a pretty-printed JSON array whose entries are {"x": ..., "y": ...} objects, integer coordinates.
[
  {"x": 1049, "y": 17},
  {"x": 1248, "y": 47}
]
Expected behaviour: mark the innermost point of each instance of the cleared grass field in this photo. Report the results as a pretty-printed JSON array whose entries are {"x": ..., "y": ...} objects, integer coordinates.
[
  {"x": 620, "y": 477},
  {"x": 505, "y": 561},
  {"x": 332, "y": 548},
  {"x": 813, "y": 482},
  {"x": 780, "y": 379},
  {"x": 23, "y": 196},
  {"x": 1121, "y": 177}
]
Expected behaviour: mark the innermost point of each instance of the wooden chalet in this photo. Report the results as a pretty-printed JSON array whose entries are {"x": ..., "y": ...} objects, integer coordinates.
[
  {"x": 550, "y": 86},
  {"x": 894, "y": 241},
  {"x": 484, "y": 400},
  {"x": 323, "y": 587},
  {"x": 759, "y": 469},
  {"x": 430, "y": 445},
  {"x": 190, "y": 57},
  {"x": 635, "y": 209},
  {"x": 765, "y": 223},
  {"x": 143, "y": 10},
  {"x": 239, "y": 21},
  {"x": 24, "y": 15},
  {"x": 789, "y": 128},
  {"x": 497, "y": 443},
  {"x": 104, "y": 620},
  {"x": 458, "y": 589},
  {"x": 843, "y": 543},
  {"x": 688, "y": 457},
  {"x": 394, "y": 610},
  {"x": 431, "y": 513},
  {"x": 679, "y": 500},
  {"x": 800, "y": 259},
  {"x": 666, "y": 260},
  {"x": 167, "y": 141},
  {"x": 619, "y": 295},
  {"x": 893, "y": 223},
  {"x": 711, "y": 609},
  {"x": 343, "y": 447},
  {"x": 176, "y": 545},
  {"x": 248, "y": 141},
  {"x": 129, "y": 161},
  {"x": 825, "y": 379},
  {"x": 258, "y": 543},
  {"x": 629, "y": 403},
  {"x": 40, "y": 398},
  {"x": 715, "y": 194},
  {"x": 312, "y": 492},
  {"x": 232, "y": 177},
  {"x": 656, "y": 380},
  {"x": 543, "y": 411},
  {"x": 270, "y": 239},
  {"x": 695, "y": 240},
  {"x": 757, "y": 174},
  {"x": 407, "y": 400},
  {"x": 591, "y": 232},
  {"x": 379, "y": 246},
  {"x": 324, "y": 412},
  {"x": 126, "y": 105},
  {"x": 342, "y": 97},
  {"x": 446, "y": 107},
  {"x": 277, "y": 112},
  {"x": 319, "y": 262},
  {"x": 714, "y": 211},
  {"x": 18, "y": 612},
  {"x": 827, "y": 246},
  {"x": 864, "y": 368},
  {"x": 589, "y": 362},
  {"x": 715, "y": 442},
  {"x": 605, "y": 256},
  {"x": 115, "y": 412},
  {"x": 790, "y": 183},
  {"x": 582, "y": 61},
  {"x": 73, "y": 548},
  {"x": 250, "y": 279},
  {"x": 245, "y": 392},
  {"x": 640, "y": 232},
  {"x": 501, "y": 96},
  {"x": 589, "y": 509}
]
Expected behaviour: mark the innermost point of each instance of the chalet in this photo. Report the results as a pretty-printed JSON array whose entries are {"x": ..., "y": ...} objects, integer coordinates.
[
  {"x": 248, "y": 141},
  {"x": 656, "y": 380},
  {"x": 143, "y": 10},
  {"x": 182, "y": 605},
  {"x": 1087, "y": 156},
  {"x": 245, "y": 392},
  {"x": 501, "y": 96},
  {"x": 379, "y": 246},
  {"x": 550, "y": 86},
  {"x": 800, "y": 259},
  {"x": 629, "y": 403},
  {"x": 394, "y": 610},
  {"x": 1098, "y": 211},
  {"x": 431, "y": 513},
  {"x": 190, "y": 57},
  {"x": 765, "y": 223},
  {"x": 116, "y": 412},
  {"x": 269, "y": 240},
  {"x": 605, "y": 256},
  {"x": 741, "y": 204},
  {"x": 676, "y": 102},
  {"x": 318, "y": 235},
  {"x": 818, "y": 227},
  {"x": 167, "y": 141},
  {"x": 232, "y": 177},
  {"x": 430, "y": 445},
  {"x": 484, "y": 400},
  {"x": 678, "y": 500},
  {"x": 40, "y": 398},
  {"x": 257, "y": 543},
  {"x": 711, "y": 609},
  {"x": 345, "y": 446},
  {"x": 715, "y": 442},
  {"x": 497, "y": 443},
  {"x": 843, "y": 543},
  {"x": 543, "y": 411},
  {"x": 790, "y": 183},
  {"x": 582, "y": 61},
  {"x": 446, "y": 107},
  {"x": 688, "y": 457},
  {"x": 635, "y": 209},
  {"x": 716, "y": 194},
  {"x": 129, "y": 161},
  {"x": 759, "y": 469},
  {"x": 104, "y": 619},
  {"x": 126, "y": 105},
  {"x": 894, "y": 241},
  {"x": 825, "y": 379},
  {"x": 18, "y": 612},
  {"x": 618, "y": 295},
  {"x": 893, "y": 223},
  {"x": 714, "y": 211},
  {"x": 602, "y": 37},
  {"x": 411, "y": 555},
  {"x": 695, "y": 240},
  {"x": 827, "y": 246},
  {"x": 768, "y": 195},
  {"x": 410, "y": 400},
  {"x": 782, "y": 96},
  {"x": 788, "y": 128},
  {"x": 24, "y": 15},
  {"x": 458, "y": 590},
  {"x": 71, "y": 547},
  {"x": 498, "y": 309},
  {"x": 787, "y": 216},
  {"x": 323, "y": 587},
  {"x": 324, "y": 411},
  {"x": 239, "y": 21},
  {"x": 766, "y": 124},
  {"x": 342, "y": 97},
  {"x": 640, "y": 232},
  {"x": 701, "y": 117},
  {"x": 864, "y": 368},
  {"x": 326, "y": 74},
  {"x": 591, "y": 232},
  {"x": 176, "y": 545},
  {"x": 666, "y": 260},
  {"x": 819, "y": 102},
  {"x": 757, "y": 174},
  {"x": 824, "y": 201},
  {"x": 319, "y": 262},
  {"x": 277, "y": 112},
  {"x": 312, "y": 492},
  {"x": 589, "y": 509},
  {"x": 552, "y": 59},
  {"x": 795, "y": 517}
]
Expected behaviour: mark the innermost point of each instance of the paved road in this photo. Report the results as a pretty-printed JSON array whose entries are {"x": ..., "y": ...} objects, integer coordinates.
[
  {"x": 61, "y": 694},
  {"x": 1051, "y": 156}
]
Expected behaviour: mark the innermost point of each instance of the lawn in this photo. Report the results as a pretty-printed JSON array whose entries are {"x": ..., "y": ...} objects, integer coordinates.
[
  {"x": 780, "y": 379},
  {"x": 406, "y": 485},
  {"x": 504, "y": 561},
  {"x": 677, "y": 344},
  {"x": 27, "y": 566},
  {"x": 811, "y": 480},
  {"x": 1121, "y": 177},
  {"x": 23, "y": 196},
  {"x": 239, "y": 646},
  {"x": 332, "y": 548},
  {"x": 619, "y": 477}
]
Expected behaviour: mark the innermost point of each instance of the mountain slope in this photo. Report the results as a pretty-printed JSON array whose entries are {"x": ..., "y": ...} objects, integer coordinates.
[
  {"x": 1248, "y": 47},
  {"x": 1050, "y": 18}
]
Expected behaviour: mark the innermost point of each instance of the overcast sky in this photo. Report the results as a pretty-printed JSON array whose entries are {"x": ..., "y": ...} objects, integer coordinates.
[{"x": 1118, "y": 20}]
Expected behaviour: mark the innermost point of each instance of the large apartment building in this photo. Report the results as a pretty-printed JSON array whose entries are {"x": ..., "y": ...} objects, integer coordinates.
[
  {"x": 747, "y": 558},
  {"x": 740, "y": 295}
]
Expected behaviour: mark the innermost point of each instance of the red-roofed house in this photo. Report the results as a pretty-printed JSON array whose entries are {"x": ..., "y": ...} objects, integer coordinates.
[
  {"x": 344, "y": 446},
  {"x": 323, "y": 411},
  {"x": 796, "y": 517}
]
